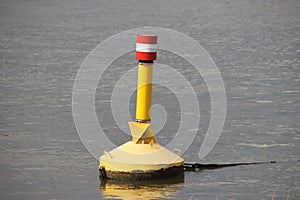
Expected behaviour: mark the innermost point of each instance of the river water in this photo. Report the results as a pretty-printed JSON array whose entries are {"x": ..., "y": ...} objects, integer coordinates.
[{"x": 254, "y": 44}]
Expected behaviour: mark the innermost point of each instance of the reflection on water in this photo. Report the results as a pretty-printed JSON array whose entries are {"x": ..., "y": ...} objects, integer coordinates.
[{"x": 151, "y": 189}]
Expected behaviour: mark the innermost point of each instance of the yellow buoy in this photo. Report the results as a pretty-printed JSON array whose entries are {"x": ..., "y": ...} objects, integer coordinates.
[{"x": 143, "y": 157}]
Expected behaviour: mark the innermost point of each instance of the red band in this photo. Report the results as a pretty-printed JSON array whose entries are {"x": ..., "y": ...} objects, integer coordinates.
[
  {"x": 146, "y": 39},
  {"x": 145, "y": 55}
]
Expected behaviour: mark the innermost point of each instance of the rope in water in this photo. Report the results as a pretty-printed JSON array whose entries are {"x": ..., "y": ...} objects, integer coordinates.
[{"x": 199, "y": 166}]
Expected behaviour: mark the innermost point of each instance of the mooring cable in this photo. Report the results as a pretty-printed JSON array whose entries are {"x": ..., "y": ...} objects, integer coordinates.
[{"x": 199, "y": 166}]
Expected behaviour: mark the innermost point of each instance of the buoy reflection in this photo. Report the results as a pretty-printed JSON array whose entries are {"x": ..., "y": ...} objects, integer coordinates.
[{"x": 140, "y": 190}]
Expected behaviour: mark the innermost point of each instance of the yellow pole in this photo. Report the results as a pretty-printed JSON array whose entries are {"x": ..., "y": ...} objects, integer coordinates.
[{"x": 144, "y": 92}]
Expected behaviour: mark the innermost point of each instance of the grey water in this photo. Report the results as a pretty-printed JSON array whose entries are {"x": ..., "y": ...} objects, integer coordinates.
[{"x": 255, "y": 45}]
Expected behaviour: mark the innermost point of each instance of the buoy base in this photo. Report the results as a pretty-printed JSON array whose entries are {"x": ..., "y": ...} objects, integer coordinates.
[
  {"x": 141, "y": 175},
  {"x": 132, "y": 161}
]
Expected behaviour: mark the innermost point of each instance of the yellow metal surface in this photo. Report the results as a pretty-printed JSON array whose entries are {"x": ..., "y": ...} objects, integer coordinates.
[
  {"x": 135, "y": 155},
  {"x": 131, "y": 157},
  {"x": 142, "y": 133},
  {"x": 144, "y": 91}
]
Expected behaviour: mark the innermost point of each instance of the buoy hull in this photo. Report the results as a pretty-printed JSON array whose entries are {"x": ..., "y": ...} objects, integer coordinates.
[
  {"x": 140, "y": 162},
  {"x": 141, "y": 175}
]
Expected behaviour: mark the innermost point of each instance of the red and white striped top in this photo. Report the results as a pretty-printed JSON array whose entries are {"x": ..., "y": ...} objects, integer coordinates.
[{"x": 146, "y": 46}]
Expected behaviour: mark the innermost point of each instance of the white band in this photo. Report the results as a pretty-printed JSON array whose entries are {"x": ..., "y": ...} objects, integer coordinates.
[{"x": 140, "y": 47}]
